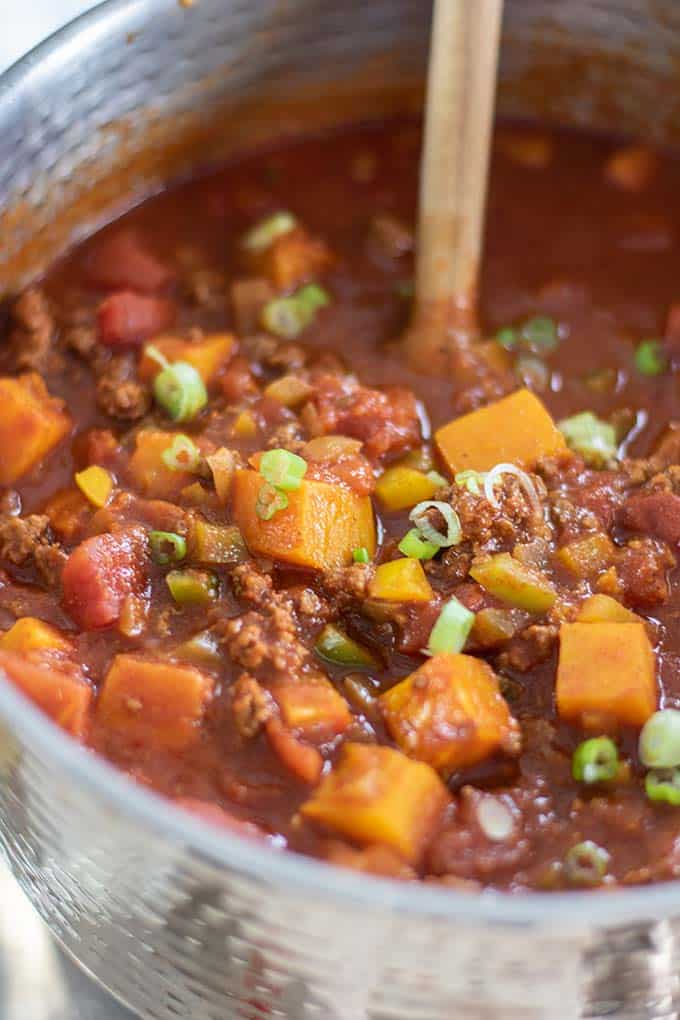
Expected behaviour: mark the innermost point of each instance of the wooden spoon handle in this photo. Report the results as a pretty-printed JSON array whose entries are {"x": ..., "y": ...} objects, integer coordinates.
[{"x": 460, "y": 105}]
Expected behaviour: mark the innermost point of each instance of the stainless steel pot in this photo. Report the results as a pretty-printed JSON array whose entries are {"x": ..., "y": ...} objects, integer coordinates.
[{"x": 176, "y": 919}]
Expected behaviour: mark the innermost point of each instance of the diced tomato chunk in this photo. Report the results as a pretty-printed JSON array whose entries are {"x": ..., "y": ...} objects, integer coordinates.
[
  {"x": 303, "y": 760},
  {"x": 121, "y": 262},
  {"x": 654, "y": 513},
  {"x": 126, "y": 318},
  {"x": 64, "y": 697},
  {"x": 99, "y": 575}
]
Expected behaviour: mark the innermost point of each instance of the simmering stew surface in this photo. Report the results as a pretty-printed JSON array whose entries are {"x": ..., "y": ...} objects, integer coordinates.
[{"x": 424, "y": 626}]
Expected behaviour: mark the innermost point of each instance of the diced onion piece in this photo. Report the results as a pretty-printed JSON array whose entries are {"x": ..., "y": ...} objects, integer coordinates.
[
  {"x": 331, "y": 448},
  {"x": 222, "y": 464},
  {"x": 283, "y": 469},
  {"x": 451, "y": 630},
  {"x": 495, "y": 819},
  {"x": 593, "y": 439},
  {"x": 419, "y": 517},
  {"x": 496, "y": 473},
  {"x": 263, "y": 234}
]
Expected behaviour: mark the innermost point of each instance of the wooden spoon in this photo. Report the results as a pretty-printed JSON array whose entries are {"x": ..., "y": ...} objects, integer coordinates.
[{"x": 460, "y": 106}]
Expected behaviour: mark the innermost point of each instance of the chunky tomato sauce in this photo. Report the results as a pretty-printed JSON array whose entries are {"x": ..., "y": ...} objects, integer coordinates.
[{"x": 419, "y": 625}]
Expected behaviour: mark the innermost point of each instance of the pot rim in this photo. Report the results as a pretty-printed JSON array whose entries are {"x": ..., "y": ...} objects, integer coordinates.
[{"x": 576, "y": 911}]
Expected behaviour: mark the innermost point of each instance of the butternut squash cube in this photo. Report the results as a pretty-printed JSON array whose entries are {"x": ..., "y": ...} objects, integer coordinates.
[
  {"x": 400, "y": 487},
  {"x": 312, "y": 709},
  {"x": 606, "y": 671},
  {"x": 64, "y": 697},
  {"x": 293, "y": 258},
  {"x": 147, "y": 469},
  {"x": 31, "y": 425},
  {"x": 515, "y": 430},
  {"x": 401, "y": 581},
  {"x": 605, "y": 609},
  {"x": 31, "y": 635},
  {"x": 450, "y": 713},
  {"x": 376, "y": 795},
  {"x": 320, "y": 527},
  {"x": 207, "y": 355},
  {"x": 588, "y": 556},
  {"x": 156, "y": 704}
]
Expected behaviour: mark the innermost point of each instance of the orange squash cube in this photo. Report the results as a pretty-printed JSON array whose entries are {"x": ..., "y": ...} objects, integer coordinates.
[
  {"x": 312, "y": 708},
  {"x": 148, "y": 471},
  {"x": 450, "y": 713},
  {"x": 376, "y": 795},
  {"x": 31, "y": 635},
  {"x": 293, "y": 258},
  {"x": 207, "y": 356},
  {"x": 515, "y": 430},
  {"x": 401, "y": 581},
  {"x": 606, "y": 671},
  {"x": 64, "y": 697},
  {"x": 31, "y": 425},
  {"x": 157, "y": 704},
  {"x": 320, "y": 527}
]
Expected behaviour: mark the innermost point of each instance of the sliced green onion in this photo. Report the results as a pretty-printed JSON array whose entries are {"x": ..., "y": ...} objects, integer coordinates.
[
  {"x": 540, "y": 333},
  {"x": 659, "y": 743},
  {"x": 595, "y": 760},
  {"x": 419, "y": 517},
  {"x": 650, "y": 358},
  {"x": 594, "y": 439},
  {"x": 167, "y": 547},
  {"x": 192, "y": 587},
  {"x": 152, "y": 352},
  {"x": 473, "y": 481},
  {"x": 586, "y": 863},
  {"x": 269, "y": 502},
  {"x": 182, "y": 455},
  {"x": 312, "y": 296},
  {"x": 507, "y": 337},
  {"x": 663, "y": 786},
  {"x": 263, "y": 234},
  {"x": 361, "y": 555},
  {"x": 283, "y": 469},
  {"x": 286, "y": 317},
  {"x": 436, "y": 479},
  {"x": 451, "y": 630},
  {"x": 180, "y": 391},
  {"x": 415, "y": 545},
  {"x": 335, "y": 646}
]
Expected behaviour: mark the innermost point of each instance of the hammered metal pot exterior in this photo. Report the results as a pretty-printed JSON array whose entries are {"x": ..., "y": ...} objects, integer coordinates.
[{"x": 176, "y": 919}]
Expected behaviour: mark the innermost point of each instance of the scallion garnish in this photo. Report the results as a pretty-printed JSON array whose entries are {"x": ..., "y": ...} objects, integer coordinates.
[
  {"x": 595, "y": 760},
  {"x": 181, "y": 455},
  {"x": 663, "y": 786},
  {"x": 361, "y": 555},
  {"x": 451, "y": 630},
  {"x": 178, "y": 387},
  {"x": 659, "y": 743},
  {"x": 263, "y": 234},
  {"x": 650, "y": 358},
  {"x": 286, "y": 317},
  {"x": 586, "y": 864},
  {"x": 470, "y": 480},
  {"x": 420, "y": 516},
  {"x": 167, "y": 547},
  {"x": 593, "y": 439},
  {"x": 269, "y": 501},
  {"x": 283, "y": 469},
  {"x": 415, "y": 545}
]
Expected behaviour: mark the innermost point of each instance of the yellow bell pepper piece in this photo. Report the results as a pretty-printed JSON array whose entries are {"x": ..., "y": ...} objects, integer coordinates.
[
  {"x": 401, "y": 581},
  {"x": 606, "y": 672},
  {"x": 376, "y": 795},
  {"x": 96, "y": 484},
  {"x": 401, "y": 487},
  {"x": 450, "y": 713},
  {"x": 514, "y": 583},
  {"x": 604, "y": 609},
  {"x": 245, "y": 426},
  {"x": 31, "y": 635},
  {"x": 516, "y": 430}
]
